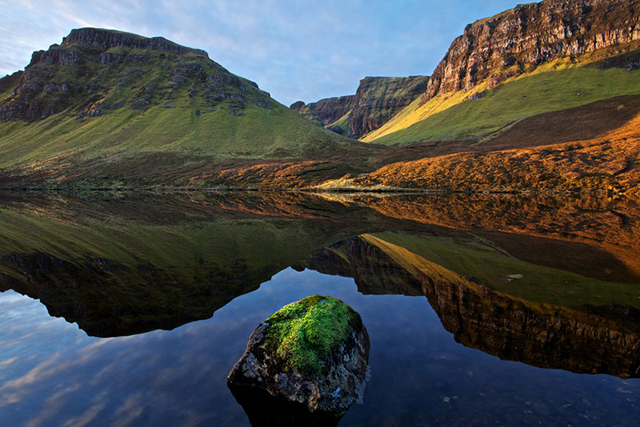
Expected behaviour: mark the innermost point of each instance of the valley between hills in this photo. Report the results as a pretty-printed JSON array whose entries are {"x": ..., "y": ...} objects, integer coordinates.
[{"x": 544, "y": 97}]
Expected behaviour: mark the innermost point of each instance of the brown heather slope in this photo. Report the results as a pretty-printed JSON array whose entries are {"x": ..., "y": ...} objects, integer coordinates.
[
  {"x": 573, "y": 124},
  {"x": 609, "y": 162}
]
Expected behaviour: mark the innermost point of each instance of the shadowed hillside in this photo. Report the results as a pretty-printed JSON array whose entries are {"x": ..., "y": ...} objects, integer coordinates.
[{"x": 104, "y": 96}]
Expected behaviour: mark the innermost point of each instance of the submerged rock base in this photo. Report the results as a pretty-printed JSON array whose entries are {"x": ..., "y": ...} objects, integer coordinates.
[
  {"x": 313, "y": 352},
  {"x": 264, "y": 409}
]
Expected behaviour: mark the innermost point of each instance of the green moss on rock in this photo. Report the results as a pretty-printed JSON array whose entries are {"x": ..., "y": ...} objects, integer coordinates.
[
  {"x": 313, "y": 352},
  {"x": 303, "y": 333}
]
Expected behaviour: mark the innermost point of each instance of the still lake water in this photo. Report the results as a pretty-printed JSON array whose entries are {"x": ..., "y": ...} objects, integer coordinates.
[{"x": 480, "y": 311}]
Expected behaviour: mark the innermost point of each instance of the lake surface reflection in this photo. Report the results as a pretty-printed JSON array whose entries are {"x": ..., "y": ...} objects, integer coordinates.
[{"x": 131, "y": 309}]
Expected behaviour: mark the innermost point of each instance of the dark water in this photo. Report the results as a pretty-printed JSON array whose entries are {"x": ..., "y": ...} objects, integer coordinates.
[{"x": 481, "y": 311}]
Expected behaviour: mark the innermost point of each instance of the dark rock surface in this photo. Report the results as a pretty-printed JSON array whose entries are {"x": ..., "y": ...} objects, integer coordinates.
[
  {"x": 265, "y": 410},
  {"x": 106, "y": 39},
  {"x": 376, "y": 101}
]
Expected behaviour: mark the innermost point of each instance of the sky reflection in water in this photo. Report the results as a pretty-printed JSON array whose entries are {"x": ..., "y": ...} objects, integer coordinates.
[{"x": 52, "y": 373}]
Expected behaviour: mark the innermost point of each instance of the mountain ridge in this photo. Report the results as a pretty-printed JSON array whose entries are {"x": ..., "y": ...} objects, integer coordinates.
[{"x": 108, "y": 109}]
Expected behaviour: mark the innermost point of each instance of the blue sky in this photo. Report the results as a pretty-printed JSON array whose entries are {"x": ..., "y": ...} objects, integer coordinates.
[{"x": 294, "y": 49}]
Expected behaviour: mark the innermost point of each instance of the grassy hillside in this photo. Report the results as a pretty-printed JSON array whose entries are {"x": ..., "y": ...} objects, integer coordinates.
[
  {"x": 89, "y": 101},
  {"x": 341, "y": 126},
  {"x": 259, "y": 133},
  {"x": 454, "y": 116}
]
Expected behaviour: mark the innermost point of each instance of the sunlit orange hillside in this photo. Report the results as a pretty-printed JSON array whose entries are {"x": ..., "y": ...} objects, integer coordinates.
[{"x": 606, "y": 162}]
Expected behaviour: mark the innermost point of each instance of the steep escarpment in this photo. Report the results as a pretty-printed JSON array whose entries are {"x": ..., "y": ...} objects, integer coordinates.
[
  {"x": 519, "y": 40},
  {"x": 106, "y": 39},
  {"x": 326, "y": 111},
  {"x": 96, "y": 71},
  {"x": 380, "y": 98},
  {"x": 534, "y": 59},
  {"x": 376, "y": 101}
]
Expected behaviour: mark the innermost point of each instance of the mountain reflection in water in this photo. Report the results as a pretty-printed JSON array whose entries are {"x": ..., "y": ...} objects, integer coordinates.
[{"x": 553, "y": 283}]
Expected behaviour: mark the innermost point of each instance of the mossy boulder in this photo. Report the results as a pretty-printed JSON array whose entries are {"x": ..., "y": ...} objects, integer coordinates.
[{"x": 313, "y": 352}]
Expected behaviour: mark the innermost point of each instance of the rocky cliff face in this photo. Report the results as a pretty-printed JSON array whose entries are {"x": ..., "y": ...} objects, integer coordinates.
[
  {"x": 520, "y": 39},
  {"x": 378, "y": 99},
  {"x": 325, "y": 111},
  {"x": 107, "y": 39},
  {"x": 95, "y": 71}
]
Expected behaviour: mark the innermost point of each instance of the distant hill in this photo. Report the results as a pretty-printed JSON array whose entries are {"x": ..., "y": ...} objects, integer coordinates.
[
  {"x": 326, "y": 111},
  {"x": 376, "y": 101}
]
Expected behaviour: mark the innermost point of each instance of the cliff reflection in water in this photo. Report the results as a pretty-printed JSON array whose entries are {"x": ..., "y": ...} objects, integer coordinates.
[
  {"x": 585, "y": 339},
  {"x": 551, "y": 283}
]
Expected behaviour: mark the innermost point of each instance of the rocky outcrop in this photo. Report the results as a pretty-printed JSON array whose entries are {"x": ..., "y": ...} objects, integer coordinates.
[
  {"x": 518, "y": 40},
  {"x": 94, "y": 71},
  {"x": 10, "y": 81},
  {"x": 378, "y": 99},
  {"x": 106, "y": 39},
  {"x": 313, "y": 352},
  {"x": 325, "y": 111}
]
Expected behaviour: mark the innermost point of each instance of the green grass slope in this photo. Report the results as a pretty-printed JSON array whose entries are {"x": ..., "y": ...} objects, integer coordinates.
[
  {"x": 341, "y": 126},
  {"x": 113, "y": 100},
  {"x": 492, "y": 267},
  {"x": 526, "y": 96}
]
